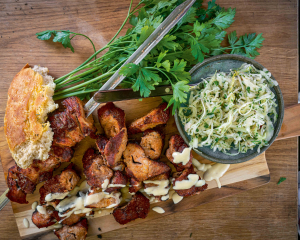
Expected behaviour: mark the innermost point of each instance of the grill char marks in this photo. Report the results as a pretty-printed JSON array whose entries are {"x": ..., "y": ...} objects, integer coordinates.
[
  {"x": 138, "y": 207},
  {"x": 155, "y": 117},
  {"x": 111, "y": 146},
  {"x": 45, "y": 220},
  {"x": 23, "y": 181},
  {"x": 139, "y": 166},
  {"x": 184, "y": 176},
  {"x": 76, "y": 232},
  {"x": 71, "y": 126},
  {"x": 95, "y": 168},
  {"x": 177, "y": 144},
  {"x": 64, "y": 182}
]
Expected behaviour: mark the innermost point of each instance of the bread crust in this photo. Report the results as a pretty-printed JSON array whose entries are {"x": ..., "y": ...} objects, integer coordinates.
[{"x": 25, "y": 116}]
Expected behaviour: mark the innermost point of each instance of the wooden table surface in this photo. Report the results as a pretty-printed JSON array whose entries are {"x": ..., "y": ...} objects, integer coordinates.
[{"x": 268, "y": 212}]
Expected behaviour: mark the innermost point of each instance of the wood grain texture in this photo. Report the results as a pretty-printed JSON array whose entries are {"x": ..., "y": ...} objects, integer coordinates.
[
  {"x": 269, "y": 212},
  {"x": 291, "y": 123}
]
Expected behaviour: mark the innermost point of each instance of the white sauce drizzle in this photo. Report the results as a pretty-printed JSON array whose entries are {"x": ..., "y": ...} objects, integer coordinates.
[
  {"x": 182, "y": 157},
  {"x": 41, "y": 209},
  {"x": 176, "y": 198},
  {"x": 186, "y": 184},
  {"x": 193, "y": 180},
  {"x": 166, "y": 197},
  {"x": 84, "y": 187},
  {"x": 200, "y": 166},
  {"x": 161, "y": 189},
  {"x": 34, "y": 205},
  {"x": 52, "y": 196},
  {"x": 216, "y": 172},
  {"x": 200, "y": 183},
  {"x": 26, "y": 223},
  {"x": 78, "y": 204},
  {"x": 105, "y": 184},
  {"x": 158, "y": 210}
]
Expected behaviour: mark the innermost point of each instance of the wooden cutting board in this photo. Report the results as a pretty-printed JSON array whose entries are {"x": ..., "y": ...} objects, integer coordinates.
[{"x": 239, "y": 177}]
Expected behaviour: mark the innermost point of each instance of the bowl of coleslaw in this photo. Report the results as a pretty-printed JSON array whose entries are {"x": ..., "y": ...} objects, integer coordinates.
[{"x": 234, "y": 112}]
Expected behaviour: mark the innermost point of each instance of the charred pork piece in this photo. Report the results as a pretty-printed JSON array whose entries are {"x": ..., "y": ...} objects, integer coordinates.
[
  {"x": 75, "y": 232},
  {"x": 113, "y": 148},
  {"x": 95, "y": 168},
  {"x": 177, "y": 144},
  {"x": 152, "y": 143},
  {"x": 157, "y": 116},
  {"x": 135, "y": 185},
  {"x": 101, "y": 199},
  {"x": 15, "y": 193},
  {"x": 118, "y": 181},
  {"x": 62, "y": 183},
  {"x": 138, "y": 207},
  {"x": 139, "y": 166},
  {"x": 156, "y": 182},
  {"x": 74, "y": 218},
  {"x": 42, "y": 220},
  {"x": 75, "y": 107},
  {"x": 71, "y": 125},
  {"x": 112, "y": 119},
  {"x": 23, "y": 181},
  {"x": 179, "y": 176}
]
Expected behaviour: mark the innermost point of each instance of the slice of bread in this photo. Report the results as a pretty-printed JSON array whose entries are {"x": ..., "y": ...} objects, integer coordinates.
[{"x": 28, "y": 133}]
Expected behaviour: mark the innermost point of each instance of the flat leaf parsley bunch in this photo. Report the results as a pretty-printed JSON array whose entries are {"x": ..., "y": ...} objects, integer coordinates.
[{"x": 198, "y": 35}]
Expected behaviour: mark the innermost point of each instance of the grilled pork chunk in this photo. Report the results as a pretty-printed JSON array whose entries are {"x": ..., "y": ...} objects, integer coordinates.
[
  {"x": 45, "y": 220},
  {"x": 23, "y": 181},
  {"x": 95, "y": 168},
  {"x": 71, "y": 125},
  {"x": 177, "y": 144},
  {"x": 118, "y": 179},
  {"x": 180, "y": 176},
  {"x": 62, "y": 183},
  {"x": 112, "y": 119},
  {"x": 140, "y": 167},
  {"x": 138, "y": 207},
  {"x": 135, "y": 185},
  {"x": 74, "y": 218},
  {"x": 152, "y": 143},
  {"x": 157, "y": 116},
  {"x": 113, "y": 148},
  {"x": 76, "y": 232}
]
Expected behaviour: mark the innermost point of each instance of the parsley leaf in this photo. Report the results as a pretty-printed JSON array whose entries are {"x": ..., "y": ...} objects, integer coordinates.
[
  {"x": 61, "y": 36},
  {"x": 281, "y": 180},
  {"x": 224, "y": 18},
  {"x": 179, "y": 91},
  {"x": 142, "y": 85},
  {"x": 129, "y": 69}
]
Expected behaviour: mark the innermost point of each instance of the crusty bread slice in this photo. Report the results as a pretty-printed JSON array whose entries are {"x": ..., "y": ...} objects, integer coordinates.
[{"x": 28, "y": 134}]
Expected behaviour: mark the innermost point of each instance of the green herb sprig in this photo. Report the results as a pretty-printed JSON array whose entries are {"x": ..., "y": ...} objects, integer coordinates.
[{"x": 198, "y": 35}]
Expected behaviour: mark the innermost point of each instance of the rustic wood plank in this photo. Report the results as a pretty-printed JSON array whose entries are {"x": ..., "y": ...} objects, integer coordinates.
[
  {"x": 291, "y": 123},
  {"x": 269, "y": 212}
]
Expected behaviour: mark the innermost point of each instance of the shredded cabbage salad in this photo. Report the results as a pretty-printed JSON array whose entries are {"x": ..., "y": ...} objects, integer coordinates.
[{"x": 231, "y": 110}]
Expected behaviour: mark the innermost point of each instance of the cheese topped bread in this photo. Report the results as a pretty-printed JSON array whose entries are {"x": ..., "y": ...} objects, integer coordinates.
[{"x": 27, "y": 130}]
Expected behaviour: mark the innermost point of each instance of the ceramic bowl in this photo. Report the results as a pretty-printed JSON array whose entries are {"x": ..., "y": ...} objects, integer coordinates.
[{"x": 224, "y": 63}]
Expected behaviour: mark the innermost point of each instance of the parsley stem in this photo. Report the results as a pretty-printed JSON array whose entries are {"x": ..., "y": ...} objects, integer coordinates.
[
  {"x": 77, "y": 76},
  {"x": 105, "y": 75},
  {"x": 87, "y": 38}
]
